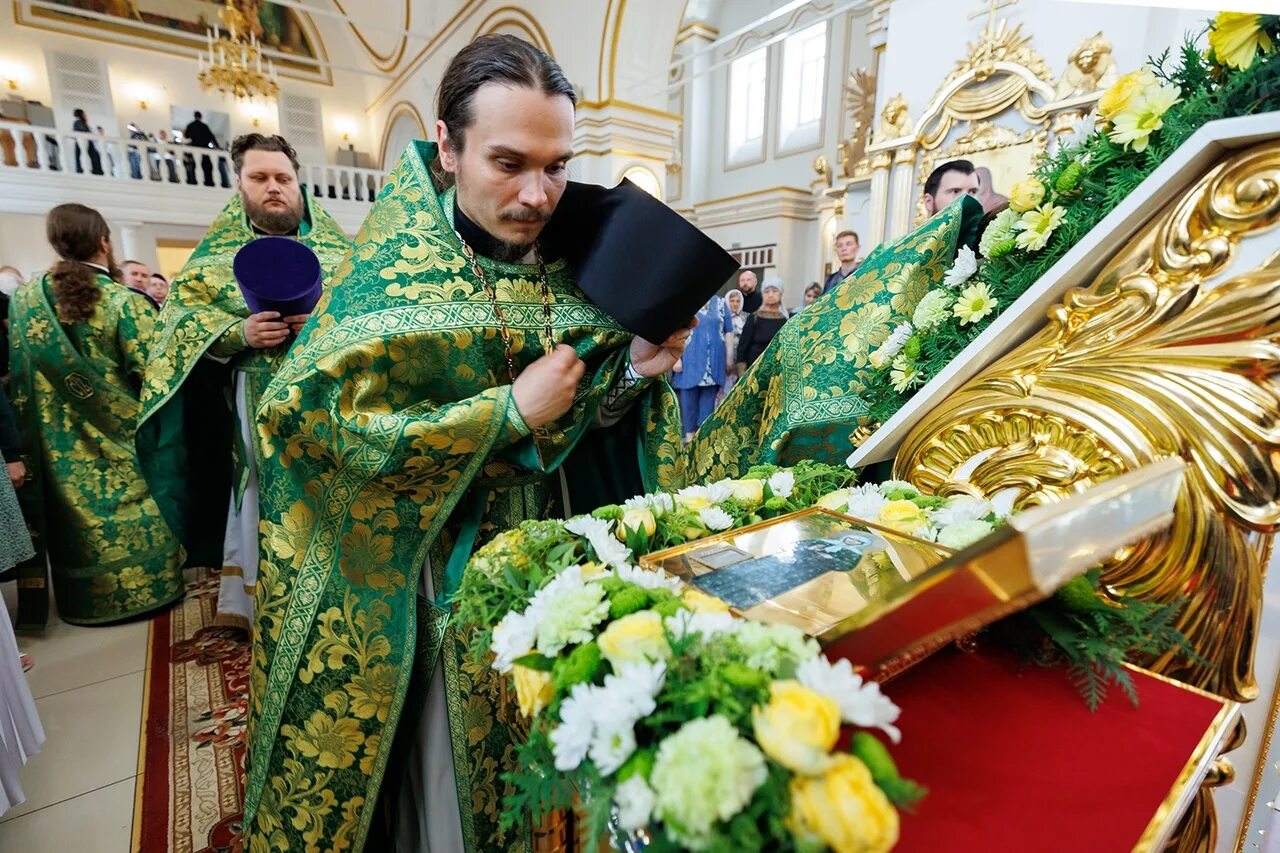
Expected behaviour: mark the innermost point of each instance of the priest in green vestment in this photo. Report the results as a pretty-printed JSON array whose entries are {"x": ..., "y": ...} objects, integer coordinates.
[
  {"x": 453, "y": 382},
  {"x": 213, "y": 348},
  {"x": 79, "y": 341}
]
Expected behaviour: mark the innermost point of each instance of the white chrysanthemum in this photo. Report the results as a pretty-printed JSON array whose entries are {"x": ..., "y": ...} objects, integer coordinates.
[
  {"x": 632, "y": 690},
  {"x": 707, "y": 625},
  {"x": 772, "y": 648},
  {"x": 963, "y": 269},
  {"x": 647, "y": 578},
  {"x": 571, "y": 740},
  {"x": 1081, "y": 129},
  {"x": 902, "y": 487},
  {"x": 599, "y": 533},
  {"x": 962, "y": 534},
  {"x": 701, "y": 497},
  {"x": 893, "y": 345},
  {"x": 565, "y": 610},
  {"x": 715, "y": 518},
  {"x": 932, "y": 311},
  {"x": 904, "y": 376},
  {"x": 1001, "y": 229},
  {"x": 612, "y": 746},
  {"x": 861, "y": 703},
  {"x": 658, "y": 503},
  {"x": 866, "y": 502},
  {"x": 634, "y": 799},
  {"x": 513, "y": 638},
  {"x": 960, "y": 508},
  {"x": 704, "y": 773},
  {"x": 782, "y": 484}
]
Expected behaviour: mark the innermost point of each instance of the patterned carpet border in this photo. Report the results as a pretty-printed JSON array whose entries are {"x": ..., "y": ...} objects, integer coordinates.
[{"x": 190, "y": 795}]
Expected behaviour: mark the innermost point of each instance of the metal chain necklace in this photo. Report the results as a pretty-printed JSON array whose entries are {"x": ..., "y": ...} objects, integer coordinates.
[{"x": 548, "y": 335}]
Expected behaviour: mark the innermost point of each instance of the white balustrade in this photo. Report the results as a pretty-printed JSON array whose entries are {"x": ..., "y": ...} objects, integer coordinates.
[{"x": 96, "y": 157}]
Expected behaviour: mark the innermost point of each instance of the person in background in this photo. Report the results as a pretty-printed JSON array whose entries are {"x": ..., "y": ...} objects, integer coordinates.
[
  {"x": 198, "y": 135},
  {"x": 81, "y": 125},
  {"x": 81, "y": 340},
  {"x": 10, "y": 280},
  {"x": 812, "y": 294},
  {"x": 167, "y": 155},
  {"x": 137, "y": 277},
  {"x": 847, "y": 254},
  {"x": 733, "y": 301},
  {"x": 761, "y": 326},
  {"x": 947, "y": 183},
  {"x": 749, "y": 287},
  {"x": 700, "y": 373},
  {"x": 158, "y": 288}
]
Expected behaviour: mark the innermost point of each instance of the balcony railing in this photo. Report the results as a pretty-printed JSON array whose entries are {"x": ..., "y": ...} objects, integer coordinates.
[{"x": 48, "y": 151}]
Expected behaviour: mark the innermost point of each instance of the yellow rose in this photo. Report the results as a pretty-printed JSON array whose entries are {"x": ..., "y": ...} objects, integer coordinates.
[
  {"x": 592, "y": 570},
  {"x": 798, "y": 728},
  {"x": 637, "y": 519},
  {"x": 844, "y": 808},
  {"x": 1026, "y": 194},
  {"x": 637, "y": 638},
  {"x": 1123, "y": 92},
  {"x": 693, "y": 502},
  {"x": 750, "y": 492},
  {"x": 903, "y": 516},
  {"x": 837, "y": 500},
  {"x": 533, "y": 689},
  {"x": 700, "y": 602},
  {"x": 1236, "y": 37}
]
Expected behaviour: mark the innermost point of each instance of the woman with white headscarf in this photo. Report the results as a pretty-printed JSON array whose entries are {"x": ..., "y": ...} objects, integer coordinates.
[{"x": 738, "y": 315}]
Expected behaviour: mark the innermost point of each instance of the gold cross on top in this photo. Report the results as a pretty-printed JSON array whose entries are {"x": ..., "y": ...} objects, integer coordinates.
[{"x": 993, "y": 6}]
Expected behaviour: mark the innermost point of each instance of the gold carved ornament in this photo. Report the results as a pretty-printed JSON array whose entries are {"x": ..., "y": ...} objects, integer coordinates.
[
  {"x": 1169, "y": 351},
  {"x": 860, "y": 101}
]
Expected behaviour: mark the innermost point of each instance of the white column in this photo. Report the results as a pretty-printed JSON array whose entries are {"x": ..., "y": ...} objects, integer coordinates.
[
  {"x": 878, "y": 211},
  {"x": 698, "y": 131},
  {"x": 904, "y": 195},
  {"x": 137, "y": 243}
]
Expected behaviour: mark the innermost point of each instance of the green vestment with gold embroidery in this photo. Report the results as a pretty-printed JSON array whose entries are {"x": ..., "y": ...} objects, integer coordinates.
[
  {"x": 800, "y": 399},
  {"x": 75, "y": 390},
  {"x": 390, "y": 436},
  {"x": 203, "y": 316}
]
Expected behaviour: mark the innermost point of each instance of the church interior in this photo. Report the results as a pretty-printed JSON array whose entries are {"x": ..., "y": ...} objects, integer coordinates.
[{"x": 671, "y": 425}]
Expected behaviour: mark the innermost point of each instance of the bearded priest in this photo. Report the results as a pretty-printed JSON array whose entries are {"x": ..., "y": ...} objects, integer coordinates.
[
  {"x": 455, "y": 382},
  {"x": 212, "y": 348}
]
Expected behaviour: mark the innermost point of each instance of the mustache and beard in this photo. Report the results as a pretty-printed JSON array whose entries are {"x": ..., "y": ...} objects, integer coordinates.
[
  {"x": 274, "y": 220},
  {"x": 512, "y": 252}
]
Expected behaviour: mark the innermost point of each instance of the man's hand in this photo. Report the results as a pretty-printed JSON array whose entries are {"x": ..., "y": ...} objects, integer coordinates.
[
  {"x": 656, "y": 359},
  {"x": 265, "y": 330},
  {"x": 545, "y": 390},
  {"x": 296, "y": 322},
  {"x": 17, "y": 474}
]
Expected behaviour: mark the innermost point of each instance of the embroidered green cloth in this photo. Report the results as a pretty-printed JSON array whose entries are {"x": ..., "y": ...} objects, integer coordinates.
[
  {"x": 800, "y": 398},
  {"x": 75, "y": 394},
  {"x": 203, "y": 315},
  {"x": 388, "y": 434}
]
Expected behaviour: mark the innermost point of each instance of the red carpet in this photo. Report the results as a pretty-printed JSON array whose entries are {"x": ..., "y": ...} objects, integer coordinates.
[{"x": 190, "y": 796}]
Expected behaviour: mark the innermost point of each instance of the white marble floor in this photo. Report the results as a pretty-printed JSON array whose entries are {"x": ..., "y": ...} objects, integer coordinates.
[{"x": 88, "y": 687}]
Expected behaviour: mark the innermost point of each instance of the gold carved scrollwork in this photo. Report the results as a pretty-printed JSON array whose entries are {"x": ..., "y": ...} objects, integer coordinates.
[
  {"x": 860, "y": 101},
  {"x": 1174, "y": 349}
]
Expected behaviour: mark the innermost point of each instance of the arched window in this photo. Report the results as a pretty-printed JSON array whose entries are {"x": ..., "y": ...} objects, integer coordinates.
[
  {"x": 748, "y": 81},
  {"x": 645, "y": 180},
  {"x": 804, "y": 68}
]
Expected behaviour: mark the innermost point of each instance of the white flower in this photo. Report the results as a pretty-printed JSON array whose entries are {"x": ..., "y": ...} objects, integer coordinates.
[
  {"x": 960, "y": 508},
  {"x": 572, "y": 738},
  {"x": 866, "y": 502},
  {"x": 1081, "y": 129},
  {"x": 634, "y": 799},
  {"x": 904, "y": 375},
  {"x": 962, "y": 534},
  {"x": 707, "y": 625},
  {"x": 888, "y": 487},
  {"x": 658, "y": 503},
  {"x": 772, "y": 648},
  {"x": 892, "y": 346},
  {"x": 647, "y": 579},
  {"x": 565, "y": 610},
  {"x": 861, "y": 703},
  {"x": 715, "y": 518},
  {"x": 612, "y": 746},
  {"x": 599, "y": 533},
  {"x": 963, "y": 269},
  {"x": 635, "y": 687},
  {"x": 932, "y": 311},
  {"x": 512, "y": 639},
  {"x": 782, "y": 484}
]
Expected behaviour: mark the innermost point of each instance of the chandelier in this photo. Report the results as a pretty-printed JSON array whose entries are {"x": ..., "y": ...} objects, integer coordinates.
[{"x": 233, "y": 63}]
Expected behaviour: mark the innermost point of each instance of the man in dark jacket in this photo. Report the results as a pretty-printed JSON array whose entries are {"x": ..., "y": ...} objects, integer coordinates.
[{"x": 198, "y": 135}]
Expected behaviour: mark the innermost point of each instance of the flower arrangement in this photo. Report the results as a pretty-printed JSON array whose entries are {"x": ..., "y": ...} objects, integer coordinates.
[
  {"x": 1139, "y": 122},
  {"x": 666, "y": 714}
]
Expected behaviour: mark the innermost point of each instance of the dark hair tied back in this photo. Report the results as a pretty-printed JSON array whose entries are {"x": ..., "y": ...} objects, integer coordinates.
[{"x": 75, "y": 232}]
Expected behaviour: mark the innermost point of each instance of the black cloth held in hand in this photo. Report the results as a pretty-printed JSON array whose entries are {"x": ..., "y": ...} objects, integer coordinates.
[{"x": 634, "y": 257}]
